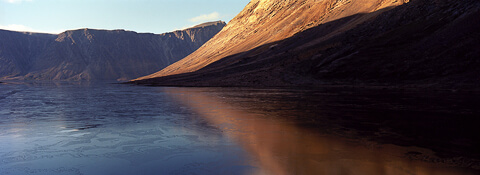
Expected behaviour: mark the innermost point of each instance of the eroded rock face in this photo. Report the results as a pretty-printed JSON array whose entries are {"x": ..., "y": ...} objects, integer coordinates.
[
  {"x": 312, "y": 42},
  {"x": 88, "y": 54}
]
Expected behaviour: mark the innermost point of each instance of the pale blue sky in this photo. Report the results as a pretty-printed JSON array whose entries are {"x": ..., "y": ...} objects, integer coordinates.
[{"x": 153, "y": 16}]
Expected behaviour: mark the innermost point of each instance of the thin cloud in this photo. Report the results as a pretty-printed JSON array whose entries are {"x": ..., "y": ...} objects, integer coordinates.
[
  {"x": 22, "y": 28},
  {"x": 16, "y": 27},
  {"x": 17, "y": 1},
  {"x": 206, "y": 17}
]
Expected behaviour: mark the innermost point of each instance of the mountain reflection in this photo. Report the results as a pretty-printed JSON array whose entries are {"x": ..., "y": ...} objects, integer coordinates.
[{"x": 279, "y": 146}]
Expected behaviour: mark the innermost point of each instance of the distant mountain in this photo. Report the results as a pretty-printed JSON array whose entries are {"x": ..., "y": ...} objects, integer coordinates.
[
  {"x": 19, "y": 50},
  {"x": 349, "y": 42},
  {"x": 89, "y": 54}
]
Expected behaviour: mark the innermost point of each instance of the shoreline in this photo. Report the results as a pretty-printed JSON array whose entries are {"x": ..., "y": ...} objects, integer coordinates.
[{"x": 412, "y": 87}]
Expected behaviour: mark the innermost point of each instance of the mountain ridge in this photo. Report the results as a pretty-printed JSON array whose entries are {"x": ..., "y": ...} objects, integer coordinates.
[{"x": 96, "y": 54}]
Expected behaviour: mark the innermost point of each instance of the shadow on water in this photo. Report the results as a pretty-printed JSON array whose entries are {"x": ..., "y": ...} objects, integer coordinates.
[
  {"x": 444, "y": 121},
  {"x": 337, "y": 131}
]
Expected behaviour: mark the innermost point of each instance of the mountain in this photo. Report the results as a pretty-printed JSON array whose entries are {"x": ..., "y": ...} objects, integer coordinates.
[
  {"x": 18, "y": 50},
  {"x": 348, "y": 42},
  {"x": 89, "y": 54}
]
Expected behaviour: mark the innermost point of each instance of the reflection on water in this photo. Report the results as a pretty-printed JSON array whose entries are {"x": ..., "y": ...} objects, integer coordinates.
[
  {"x": 279, "y": 146},
  {"x": 65, "y": 128}
]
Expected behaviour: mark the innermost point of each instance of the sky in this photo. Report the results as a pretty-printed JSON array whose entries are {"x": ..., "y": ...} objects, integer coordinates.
[{"x": 143, "y": 16}]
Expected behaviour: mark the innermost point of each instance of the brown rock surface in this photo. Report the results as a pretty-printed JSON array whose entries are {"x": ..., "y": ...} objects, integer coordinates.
[{"x": 311, "y": 42}]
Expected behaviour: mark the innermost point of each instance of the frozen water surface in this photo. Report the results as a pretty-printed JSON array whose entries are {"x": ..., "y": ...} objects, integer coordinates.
[
  {"x": 103, "y": 129},
  {"x": 107, "y": 129}
]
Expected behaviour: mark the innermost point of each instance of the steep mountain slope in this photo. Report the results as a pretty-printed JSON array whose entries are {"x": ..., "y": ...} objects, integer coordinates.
[
  {"x": 309, "y": 42},
  {"x": 88, "y": 54},
  {"x": 266, "y": 21}
]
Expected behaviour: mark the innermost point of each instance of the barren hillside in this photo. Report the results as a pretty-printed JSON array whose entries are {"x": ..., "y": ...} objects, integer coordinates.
[{"x": 311, "y": 42}]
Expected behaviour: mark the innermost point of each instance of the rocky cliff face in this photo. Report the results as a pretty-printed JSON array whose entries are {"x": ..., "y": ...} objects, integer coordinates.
[
  {"x": 88, "y": 54},
  {"x": 311, "y": 42}
]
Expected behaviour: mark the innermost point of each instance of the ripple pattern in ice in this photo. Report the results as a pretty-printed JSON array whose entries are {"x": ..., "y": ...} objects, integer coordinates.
[{"x": 106, "y": 129}]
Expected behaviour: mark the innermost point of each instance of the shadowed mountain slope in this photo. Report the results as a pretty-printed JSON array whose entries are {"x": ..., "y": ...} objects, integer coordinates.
[
  {"x": 18, "y": 50},
  {"x": 88, "y": 54},
  {"x": 309, "y": 43}
]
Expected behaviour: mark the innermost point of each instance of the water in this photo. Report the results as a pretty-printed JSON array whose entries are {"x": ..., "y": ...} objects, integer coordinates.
[{"x": 101, "y": 128}]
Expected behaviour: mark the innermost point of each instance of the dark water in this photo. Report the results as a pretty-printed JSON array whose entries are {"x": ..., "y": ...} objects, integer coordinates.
[{"x": 102, "y": 129}]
